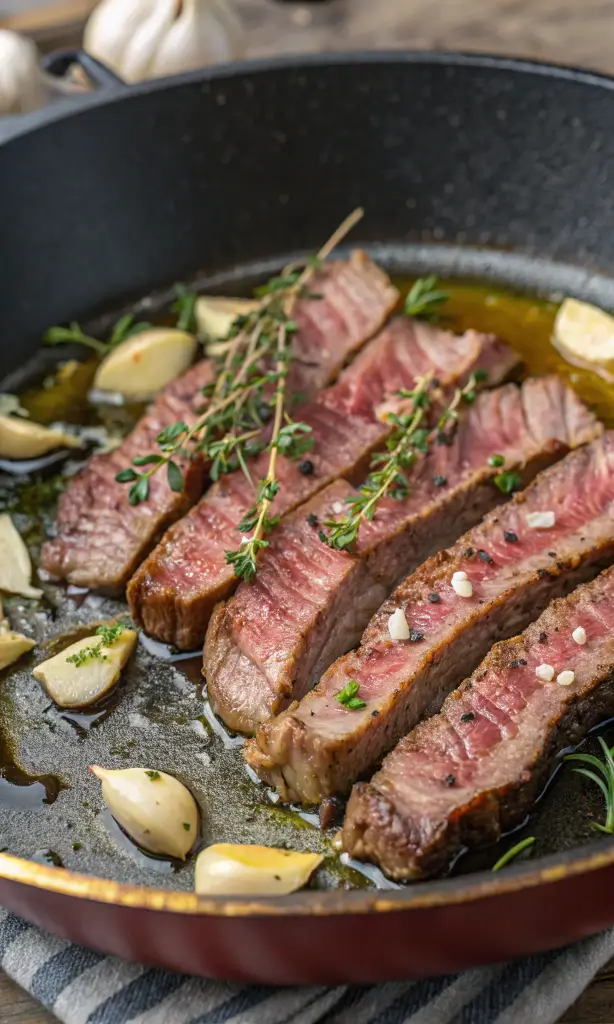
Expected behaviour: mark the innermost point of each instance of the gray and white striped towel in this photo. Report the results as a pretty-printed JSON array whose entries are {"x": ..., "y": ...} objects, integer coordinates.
[{"x": 82, "y": 987}]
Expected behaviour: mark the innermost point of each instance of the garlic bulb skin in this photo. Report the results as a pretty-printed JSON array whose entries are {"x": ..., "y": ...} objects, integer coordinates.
[
  {"x": 15, "y": 564},
  {"x": 155, "y": 809},
  {"x": 75, "y": 684},
  {"x": 22, "y": 439},
  {"x": 146, "y": 362},
  {"x": 142, "y": 39},
  {"x": 22, "y": 84},
  {"x": 229, "y": 869}
]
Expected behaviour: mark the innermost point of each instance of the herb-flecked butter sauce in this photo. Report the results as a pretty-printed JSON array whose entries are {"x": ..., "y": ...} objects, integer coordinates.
[{"x": 50, "y": 806}]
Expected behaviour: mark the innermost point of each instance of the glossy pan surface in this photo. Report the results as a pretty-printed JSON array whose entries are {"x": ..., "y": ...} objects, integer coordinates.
[{"x": 465, "y": 165}]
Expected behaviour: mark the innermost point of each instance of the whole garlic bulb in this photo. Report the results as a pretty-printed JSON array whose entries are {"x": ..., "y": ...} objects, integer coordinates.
[
  {"x": 22, "y": 84},
  {"x": 141, "y": 39}
]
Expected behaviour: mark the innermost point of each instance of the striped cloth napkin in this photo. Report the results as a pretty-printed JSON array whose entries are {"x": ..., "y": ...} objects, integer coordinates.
[{"x": 82, "y": 987}]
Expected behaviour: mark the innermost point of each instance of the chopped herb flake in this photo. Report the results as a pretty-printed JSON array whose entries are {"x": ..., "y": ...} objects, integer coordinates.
[{"x": 348, "y": 696}]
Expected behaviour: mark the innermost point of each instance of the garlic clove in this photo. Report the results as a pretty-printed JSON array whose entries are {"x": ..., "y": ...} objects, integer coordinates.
[
  {"x": 585, "y": 331},
  {"x": 12, "y": 645},
  {"x": 83, "y": 681},
  {"x": 22, "y": 439},
  {"x": 15, "y": 564},
  {"x": 145, "y": 363},
  {"x": 229, "y": 869},
  {"x": 155, "y": 809},
  {"x": 215, "y": 314}
]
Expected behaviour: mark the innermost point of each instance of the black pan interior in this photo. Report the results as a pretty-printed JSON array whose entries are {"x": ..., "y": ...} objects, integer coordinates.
[{"x": 464, "y": 165}]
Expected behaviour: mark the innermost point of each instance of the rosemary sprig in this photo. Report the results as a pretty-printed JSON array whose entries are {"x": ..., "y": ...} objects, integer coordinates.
[
  {"x": 605, "y": 780},
  {"x": 389, "y": 469},
  {"x": 424, "y": 300},
  {"x": 513, "y": 852}
]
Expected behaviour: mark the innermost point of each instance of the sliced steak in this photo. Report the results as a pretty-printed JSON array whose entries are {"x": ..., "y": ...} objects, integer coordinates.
[
  {"x": 174, "y": 592},
  {"x": 352, "y": 299},
  {"x": 473, "y": 771},
  {"x": 319, "y": 747},
  {"x": 101, "y": 538},
  {"x": 271, "y": 642}
]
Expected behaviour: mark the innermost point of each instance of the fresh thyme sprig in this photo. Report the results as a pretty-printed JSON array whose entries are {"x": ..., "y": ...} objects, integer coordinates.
[
  {"x": 108, "y": 634},
  {"x": 126, "y": 327},
  {"x": 250, "y": 390},
  {"x": 605, "y": 780},
  {"x": 424, "y": 300},
  {"x": 389, "y": 469}
]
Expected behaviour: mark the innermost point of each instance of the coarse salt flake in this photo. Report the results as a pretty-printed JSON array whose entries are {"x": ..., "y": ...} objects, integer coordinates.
[
  {"x": 545, "y": 673},
  {"x": 565, "y": 678},
  {"x": 463, "y": 588},
  {"x": 397, "y": 625},
  {"x": 338, "y": 508},
  {"x": 541, "y": 520},
  {"x": 579, "y": 635},
  {"x": 460, "y": 576}
]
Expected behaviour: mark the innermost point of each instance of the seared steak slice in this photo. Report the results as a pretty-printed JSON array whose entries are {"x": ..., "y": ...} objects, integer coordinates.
[
  {"x": 174, "y": 592},
  {"x": 319, "y": 747},
  {"x": 354, "y": 298},
  {"x": 101, "y": 538},
  {"x": 462, "y": 778},
  {"x": 272, "y": 641}
]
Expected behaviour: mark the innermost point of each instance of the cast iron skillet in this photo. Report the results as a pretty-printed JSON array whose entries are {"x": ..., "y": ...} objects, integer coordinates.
[{"x": 465, "y": 164}]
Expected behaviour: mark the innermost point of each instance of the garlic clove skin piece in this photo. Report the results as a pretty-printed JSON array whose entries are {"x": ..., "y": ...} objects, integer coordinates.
[
  {"x": 15, "y": 564},
  {"x": 12, "y": 645},
  {"x": 155, "y": 809},
  {"x": 215, "y": 314},
  {"x": 229, "y": 869},
  {"x": 145, "y": 363},
  {"x": 72, "y": 685},
  {"x": 585, "y": 332},
  {"x": 22, "y": 439}
]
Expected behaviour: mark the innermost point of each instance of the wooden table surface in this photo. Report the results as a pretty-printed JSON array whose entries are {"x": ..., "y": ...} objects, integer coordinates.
[{"x": 578, "y": 32}]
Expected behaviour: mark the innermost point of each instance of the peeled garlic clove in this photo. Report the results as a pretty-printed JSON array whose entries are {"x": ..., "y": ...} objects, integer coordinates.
[
  {"x": 83, "y": 681},
  {"x": 22, "y": 439},
  {"x": 15, "y": 564},
  {"x": 145, "y": 363},
  {"x": 585, "y": 331},
  {"x": 12, "y": 645},
  {"x": 155, "y": 809},
  {"x": 229, "y": 869},
  {"x": 215, "y": 314}
]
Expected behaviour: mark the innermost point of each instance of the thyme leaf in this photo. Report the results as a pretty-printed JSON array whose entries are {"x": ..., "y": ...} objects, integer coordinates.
[
  {"x": 123, "y": 329},
  {"x": 424, "y": 300},
  {"x": 108, "y": 634}
]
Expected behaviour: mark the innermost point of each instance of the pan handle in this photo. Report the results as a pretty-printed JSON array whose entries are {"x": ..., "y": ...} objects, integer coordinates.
[{"x": 58, "y": 63}]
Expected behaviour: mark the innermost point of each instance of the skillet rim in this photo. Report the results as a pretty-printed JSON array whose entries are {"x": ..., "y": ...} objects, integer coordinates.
[{"x": 470, "y": 888}]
